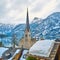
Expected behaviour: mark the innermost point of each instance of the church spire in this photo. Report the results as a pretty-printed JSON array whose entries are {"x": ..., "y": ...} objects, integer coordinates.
[{"x": 27, "y": 21}]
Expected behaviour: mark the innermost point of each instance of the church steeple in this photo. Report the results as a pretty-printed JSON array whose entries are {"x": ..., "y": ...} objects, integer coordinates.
[
  {"x": 27, "y": 21},
  {"x": 27, "y": 41}
]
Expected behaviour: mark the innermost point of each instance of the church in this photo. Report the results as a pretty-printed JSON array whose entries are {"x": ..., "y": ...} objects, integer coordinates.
[
  {"x": 27, "y": 41},
  {"x": 53, "y": 53}
]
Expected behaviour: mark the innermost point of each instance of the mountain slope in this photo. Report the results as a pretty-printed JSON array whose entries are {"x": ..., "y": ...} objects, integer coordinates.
[{"x": 48, "y": 28}]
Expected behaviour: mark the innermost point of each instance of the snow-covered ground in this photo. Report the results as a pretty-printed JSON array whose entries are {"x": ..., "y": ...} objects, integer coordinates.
[{"x": 42, "y": 48}]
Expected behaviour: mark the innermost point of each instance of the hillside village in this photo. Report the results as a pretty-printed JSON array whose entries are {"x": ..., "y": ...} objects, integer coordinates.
[{"x": 31, "y": 49}]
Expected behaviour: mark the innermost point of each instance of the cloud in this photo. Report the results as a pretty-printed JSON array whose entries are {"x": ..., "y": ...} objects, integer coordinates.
[
  {"x": 58, "y": 6},
  {"x": 39, "y": 5},
  {"x": 48, "y": 8},
  {"x": 14, "y": 11},
  {"x": 45, "y": 9}
]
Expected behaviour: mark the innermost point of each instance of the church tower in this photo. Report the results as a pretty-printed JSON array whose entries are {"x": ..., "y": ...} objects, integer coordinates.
[
  {"x": 26, "y": 41},
  {"x": 27, "y": 35}
]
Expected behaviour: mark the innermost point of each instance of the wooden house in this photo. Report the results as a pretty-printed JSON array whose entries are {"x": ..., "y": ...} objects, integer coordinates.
[{"x": 54, "y": 55}]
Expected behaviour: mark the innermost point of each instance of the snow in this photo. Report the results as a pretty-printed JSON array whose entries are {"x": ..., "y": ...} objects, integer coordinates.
[
  {"x": 35, "y": 20},
  {"x": 42, "y": 48},
  {"x": 14, "y": 54},
  {"x": 56, "y": 27},
  {"x": 44, "y": 32},
  {"x": 2, "y": 50},
  {"x": 17, "y": 51},
  {"x": 24, "y": 52}
]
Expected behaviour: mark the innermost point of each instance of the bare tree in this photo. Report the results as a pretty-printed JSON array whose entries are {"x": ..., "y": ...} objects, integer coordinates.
[{"x": 14, "y": 40}]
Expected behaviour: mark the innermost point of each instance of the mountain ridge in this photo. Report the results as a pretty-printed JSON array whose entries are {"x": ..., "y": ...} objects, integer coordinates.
[{"x": 48, "y": 28}]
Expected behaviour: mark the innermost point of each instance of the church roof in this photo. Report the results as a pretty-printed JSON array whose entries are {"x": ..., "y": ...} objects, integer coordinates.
[{"x": 27, "y": 21}]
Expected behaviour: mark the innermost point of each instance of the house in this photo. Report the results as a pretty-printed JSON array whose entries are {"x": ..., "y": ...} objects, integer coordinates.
[{"x": 49, "y": 51}]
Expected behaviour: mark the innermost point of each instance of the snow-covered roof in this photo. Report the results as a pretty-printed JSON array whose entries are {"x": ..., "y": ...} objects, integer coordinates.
[
  {"x": 24, "y": 52},
  {"x": 17, "y": 51},
  {"x": 42, "y": 48},
  {"x": 2, "y": 50},
  {"x": 14, "y": 54}
]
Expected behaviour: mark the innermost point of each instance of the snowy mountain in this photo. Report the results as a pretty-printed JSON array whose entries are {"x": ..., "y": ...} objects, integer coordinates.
[
  {"x": 6, "y": 33},
  {"x": 48, "y": 28},
  {"x": 19, "y": 30},
  {"x": 6, "y": 28},
  {"x": 52, "y": 26}
]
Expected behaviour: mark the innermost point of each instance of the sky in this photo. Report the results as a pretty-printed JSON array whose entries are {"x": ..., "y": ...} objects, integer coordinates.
[{"x": 14, "y": 11}]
